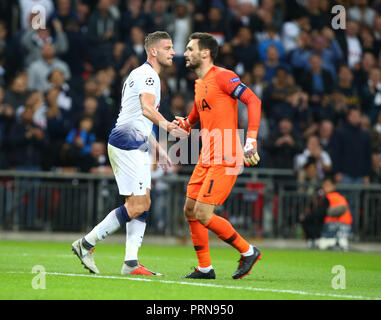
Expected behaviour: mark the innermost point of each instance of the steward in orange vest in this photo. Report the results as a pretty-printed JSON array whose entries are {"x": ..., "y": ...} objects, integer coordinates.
[
  {"x": 332, "y": 208},
  {"x": 338, "y": 209}
]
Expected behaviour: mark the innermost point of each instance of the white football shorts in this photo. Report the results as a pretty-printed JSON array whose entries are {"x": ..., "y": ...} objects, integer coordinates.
[{"x": 132, "y": 170}]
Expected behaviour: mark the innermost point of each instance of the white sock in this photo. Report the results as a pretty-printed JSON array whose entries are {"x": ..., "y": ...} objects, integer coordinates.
[
  {"x": 249, "y": 252},
  {"x": 107, "y": 226},
  {"x": 206, "y": 269},
  {"x": 134, "y": 237}
]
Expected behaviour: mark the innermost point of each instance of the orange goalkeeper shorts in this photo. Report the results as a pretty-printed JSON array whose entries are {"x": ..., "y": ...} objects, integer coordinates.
[{"x": 211, "y": 185}]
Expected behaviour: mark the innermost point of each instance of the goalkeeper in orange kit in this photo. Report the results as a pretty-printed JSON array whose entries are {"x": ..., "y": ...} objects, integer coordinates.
[{"x": 215, "y": 106}]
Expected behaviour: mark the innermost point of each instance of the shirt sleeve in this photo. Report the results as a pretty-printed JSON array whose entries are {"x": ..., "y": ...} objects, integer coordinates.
[
  {"x": 147, "y": 83},
  {"x": 194, "y": 116},
  {"x": 230, "y": 83}
]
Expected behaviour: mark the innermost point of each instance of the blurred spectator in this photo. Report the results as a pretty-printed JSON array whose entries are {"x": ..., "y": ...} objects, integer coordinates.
[
  {"x": 67, "y": 100},
  {"x": 376, "y": 27},
  {"x": 271, "y": 12},
  {"x": 325, "y": 45},
  {"x": 325, "y": 132},
  {"x": 4, "y": 50},
  {"x": 272, "y": 63},
  {"x": 28, "y": 142},
  {"x": 376, "y": 149},
  {"x": 276, "y": 90},
  {"x": 34, "y": 40},
  {"x": 291, "y": 31},
  {"x": 17, "y": 92},
  {"x": 97, "y": 160},
  {"x": 64, "y": 12},
  {"x": 7, "y": 115},
  {"x": 347, "y": 86},
  {"x": 245, "y": 50},
  {"x": 368, "y": 62},
  {"x": 314, "y": 150},
  {"x": 283, "y": 145},
  {"x": 307, "y": 177},
  {"x": 371, "y": 94},
  {"x": 214, "y": 24},
  {"x": 77, "y": 53},
  {"x": 317, "y": 82},
  {"x": 160, "y": 16},
  {"x": 78, "y": 143},
  {"x": 365, "y": 123},
  {"x": 134, "y": 15},
  {"x": 103, "y": 31},
  {"x": 351, "y": 151},
  {"x": 242, "y": 13},
  {"x": 294, "y": 106},
  {"x": 225, "y": 58},
  {"x": 350, "y": 44},
  {"x": 361, "y": 13},
  {"x": 271, "y": 39},
  {"x": 177, "y": 106},
  {"x": 124, "y": 59},
  {"x": 368, "y": 42},
  {"x": 57, "y": 127},
  {"x": 180, "y": 27},
  {"x": 258, "y": 79},
  {"x": 82, "y": 9},
  {"x": 318, "y": 18},
  {"x": 335, "y": 108},
  {"x": 35, "y": 102},
  {"x": 39, "y": 70},
  {"x": 135, "y": 45}
]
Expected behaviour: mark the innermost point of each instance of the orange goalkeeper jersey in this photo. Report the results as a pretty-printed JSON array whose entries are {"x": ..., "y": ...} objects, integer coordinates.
[{"x": 216, "y": 102}]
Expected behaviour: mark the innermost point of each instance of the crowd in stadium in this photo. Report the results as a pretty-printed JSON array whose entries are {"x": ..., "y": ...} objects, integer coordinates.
[{"x": 320, "y": 88}]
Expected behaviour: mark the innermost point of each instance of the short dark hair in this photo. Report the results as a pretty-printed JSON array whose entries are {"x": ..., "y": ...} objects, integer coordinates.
[
  {"x": 329, "y": 177},
  {"x": 206, "y": 41},
  {"x": 154, "y": 37}
]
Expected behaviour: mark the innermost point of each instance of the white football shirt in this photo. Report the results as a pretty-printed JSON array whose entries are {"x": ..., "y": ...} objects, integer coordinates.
[{"x": 132, "y": 128}]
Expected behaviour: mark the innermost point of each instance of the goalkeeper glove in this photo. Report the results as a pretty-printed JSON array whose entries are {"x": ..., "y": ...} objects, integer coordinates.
[
  {"x": 251, "y": 156},
  {"x": 184, "y": 124}
]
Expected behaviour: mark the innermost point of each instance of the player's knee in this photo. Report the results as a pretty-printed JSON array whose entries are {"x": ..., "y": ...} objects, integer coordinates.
[
  {"x": 201, "y": 216},
  {"x": 147, "y": 204},
  {"x": 136, "y": 210},
  {"x": 188, "y": 212}
]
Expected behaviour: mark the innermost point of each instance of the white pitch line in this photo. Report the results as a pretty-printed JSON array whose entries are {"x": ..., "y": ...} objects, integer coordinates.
[{"x": 209, "y": 285}]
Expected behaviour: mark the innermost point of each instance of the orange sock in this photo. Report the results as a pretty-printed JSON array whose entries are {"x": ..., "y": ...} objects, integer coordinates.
[
  {"x": 225, "y": 231},
  {"x": 200, "y": 238}
]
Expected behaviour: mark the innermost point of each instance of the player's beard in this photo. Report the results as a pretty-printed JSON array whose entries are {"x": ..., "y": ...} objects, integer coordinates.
[
  {"x": 195, "y": 64},
  {"x": 165, "y": 63}
]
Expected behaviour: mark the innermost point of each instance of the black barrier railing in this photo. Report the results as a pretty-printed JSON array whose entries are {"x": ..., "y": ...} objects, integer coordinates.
[{"x": 263, "y": 203}]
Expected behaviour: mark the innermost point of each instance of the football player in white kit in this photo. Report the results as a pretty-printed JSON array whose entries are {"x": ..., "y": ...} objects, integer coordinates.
[{"x": 128, "y": 149}]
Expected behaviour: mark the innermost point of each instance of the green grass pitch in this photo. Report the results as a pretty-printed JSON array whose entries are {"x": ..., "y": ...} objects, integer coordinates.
[{"x": 281, "y": 274}]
